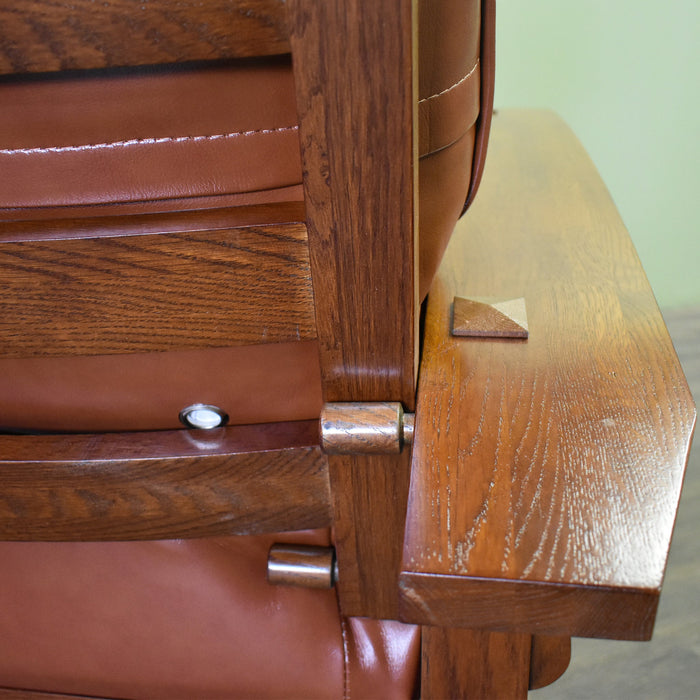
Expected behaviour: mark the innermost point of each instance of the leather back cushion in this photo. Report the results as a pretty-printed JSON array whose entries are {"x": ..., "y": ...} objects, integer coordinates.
[{"x": 172, "y": 138}]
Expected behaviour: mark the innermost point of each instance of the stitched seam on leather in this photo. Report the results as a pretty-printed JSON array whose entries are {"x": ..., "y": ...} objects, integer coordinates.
[
  {"x": 142, "y": 142},
  {"x": 452, "y": 87}
]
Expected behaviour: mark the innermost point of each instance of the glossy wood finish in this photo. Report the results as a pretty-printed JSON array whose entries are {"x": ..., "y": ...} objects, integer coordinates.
[
  {"x": 369, "y": 495},
  {"x": 237, "y": 480},
  {"x": 359, "y": 182},
  {"x": 360, "y": 170},
  {"x": 549, "y": 659},
  {"x": 459, "y": 663},
  {"x": 603, "y": 669},
  {"x": 108, "y": 294},
  {"x": 42, "y": 35},
  {"x": 546, "y": 473},
  {"x": 362, "y": 428}
]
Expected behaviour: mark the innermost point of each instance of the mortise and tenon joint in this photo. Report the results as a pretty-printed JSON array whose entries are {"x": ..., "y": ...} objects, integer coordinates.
[{"x": 365, "y": 428}]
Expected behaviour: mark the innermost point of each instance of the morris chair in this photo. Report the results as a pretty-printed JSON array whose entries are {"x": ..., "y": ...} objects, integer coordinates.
[{"x": 229, "y": 244}]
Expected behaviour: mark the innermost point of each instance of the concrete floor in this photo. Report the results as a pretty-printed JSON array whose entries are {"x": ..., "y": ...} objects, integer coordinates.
[{"x": 668, "y": 667}]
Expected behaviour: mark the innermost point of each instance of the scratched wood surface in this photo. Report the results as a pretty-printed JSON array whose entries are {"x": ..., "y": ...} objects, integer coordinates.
[
  {"x": 44, "y": 35},
  {"x": 174, "y": 289},
  {"x": 669, "y": 665},
  {"x": 546, "y": 472},
  {"x": 158, "y": 485}
]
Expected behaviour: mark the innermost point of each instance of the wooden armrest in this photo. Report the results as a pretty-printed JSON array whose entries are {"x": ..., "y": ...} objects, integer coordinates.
[
  {"x": 169, "y": 484},
  {"x": 546, "y": 472}
]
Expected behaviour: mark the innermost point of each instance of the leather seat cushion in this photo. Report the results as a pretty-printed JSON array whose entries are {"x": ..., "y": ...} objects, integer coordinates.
[
  {"x": 146, "y": 391},
  {"x": 184, "y": 619}
]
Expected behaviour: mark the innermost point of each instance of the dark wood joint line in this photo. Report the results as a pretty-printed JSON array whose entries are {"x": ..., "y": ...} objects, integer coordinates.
[{"x": 365, "y": 428}]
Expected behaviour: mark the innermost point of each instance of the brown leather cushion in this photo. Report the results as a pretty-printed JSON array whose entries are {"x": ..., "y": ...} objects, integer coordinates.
[
  {"x": 147, "y": 135},
  {"x": 186, "y": 619},
  {"x": 195, "y": 619},
  {"x": 166, "y": 139},
  {"x": 171, "y": 139}
]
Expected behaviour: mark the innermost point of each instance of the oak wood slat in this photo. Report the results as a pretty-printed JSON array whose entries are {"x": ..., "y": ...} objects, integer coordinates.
[
  {"x": 47, "y": 35},
  {"x": 157, "y": 485},
  {"x": 547, "y": 472},
  {"x": 87, "y": 288},
  {"x": 356, "y": 83}
]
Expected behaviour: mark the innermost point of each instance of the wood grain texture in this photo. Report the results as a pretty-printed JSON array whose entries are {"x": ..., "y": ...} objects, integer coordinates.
[
  {"x": 369, "y": 496},
  {"x": 45, "y": 35},
  {"x": 603, "y": 669},
  {"x": 359, "y": 169},
  {"x": 488, "y": 317},
  {"x": 162, "y": 485},
  {"x": 355, "y": 64},
  {"x": 546, "y": 474},
  {"x": 457, "y": 663},
  {"x": 109, "y": 294}
]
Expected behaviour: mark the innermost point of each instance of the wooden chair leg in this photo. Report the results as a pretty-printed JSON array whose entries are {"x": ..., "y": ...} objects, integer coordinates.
[
  {"x": 549, "y": 658},
  {"x": 474, "y": 664}
]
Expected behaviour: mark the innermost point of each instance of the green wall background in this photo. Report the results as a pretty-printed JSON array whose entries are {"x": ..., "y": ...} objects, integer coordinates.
[{"x": 625, "y": 75}]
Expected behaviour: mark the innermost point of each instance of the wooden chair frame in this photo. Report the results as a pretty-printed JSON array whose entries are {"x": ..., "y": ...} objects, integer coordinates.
[{"x": 358, "y": 140}]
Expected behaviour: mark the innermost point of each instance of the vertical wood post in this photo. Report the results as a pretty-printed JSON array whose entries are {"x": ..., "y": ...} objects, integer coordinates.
[
  {"x": 356, "y": 89},
  {"x": 549, "y": 658},
  {"x": 355, "y": 75},
  {"x": 461, "y": 663}
]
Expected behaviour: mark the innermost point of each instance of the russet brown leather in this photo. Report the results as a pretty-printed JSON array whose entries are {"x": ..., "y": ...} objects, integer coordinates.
[
  {"x": 148, "y": 135},
  {"x": 184, "y": 619},
  {"x": 195, "y": 618},
  {"x": 268, "y": 383},
  {"x": 164, "y": 140}
]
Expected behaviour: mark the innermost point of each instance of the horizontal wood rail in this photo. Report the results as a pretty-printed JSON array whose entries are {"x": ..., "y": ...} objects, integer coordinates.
[
  {"x": 162, "y": 485},
  {"x": 153, "y": 283},
  {"x": 546, "y": 472},
  {"x": 42, "y": 35}
]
